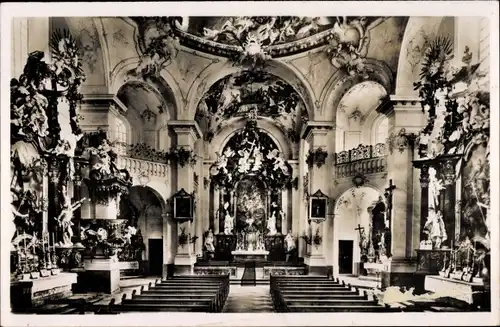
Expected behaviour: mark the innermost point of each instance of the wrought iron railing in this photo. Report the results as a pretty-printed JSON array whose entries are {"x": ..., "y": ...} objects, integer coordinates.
[
  {"x": 362, "y": 152},
  {"x": 364, "y": 159}
]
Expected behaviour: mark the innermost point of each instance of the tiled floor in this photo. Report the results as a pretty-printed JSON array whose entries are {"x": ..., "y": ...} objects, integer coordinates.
[{"x": 249, "y": 299}]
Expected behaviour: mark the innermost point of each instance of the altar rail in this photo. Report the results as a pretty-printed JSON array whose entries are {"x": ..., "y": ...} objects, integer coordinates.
[{"x": 138, "y": 166}]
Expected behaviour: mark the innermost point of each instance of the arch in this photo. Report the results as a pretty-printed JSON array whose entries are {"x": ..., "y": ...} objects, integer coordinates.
[
  {"x": 265, "y": 124},
  {"x": 344, "y": 228},
  {"x": 419, "y": 31},
  {"x": 120, "y": 76},
  {"x": 217, "y": 72},
  {"x": 340, "y": 83}
]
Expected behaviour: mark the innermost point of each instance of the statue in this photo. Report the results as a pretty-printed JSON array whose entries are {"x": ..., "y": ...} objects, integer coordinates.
[
  {"x": 209, "y": 241},
  {"x": 435, "y": 229},
  {"x": 290, "y": 241},
  {"x": 271, "y": 224},
  {"x": 228, "y": 221},
  {"x": 64, "y": 218},
  {"x": 435, "y": 187}
]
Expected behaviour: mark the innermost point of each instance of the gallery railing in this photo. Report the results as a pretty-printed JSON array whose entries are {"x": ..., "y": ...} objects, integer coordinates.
[
  {"x": 142, "y": 166},
  {"x": 365, "y": 159}
]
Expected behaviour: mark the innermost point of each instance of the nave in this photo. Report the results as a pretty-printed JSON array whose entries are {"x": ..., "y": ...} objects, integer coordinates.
[{"x": 215, "y": 294}]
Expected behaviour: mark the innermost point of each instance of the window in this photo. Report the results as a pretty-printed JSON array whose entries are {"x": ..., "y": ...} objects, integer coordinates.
[
  {"x": 121, "y": 137},
  {"x": 381, "y": 131}
]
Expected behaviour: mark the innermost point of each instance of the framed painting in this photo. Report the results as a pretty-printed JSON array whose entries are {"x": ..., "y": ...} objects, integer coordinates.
[{"x": 183, "y": 205}]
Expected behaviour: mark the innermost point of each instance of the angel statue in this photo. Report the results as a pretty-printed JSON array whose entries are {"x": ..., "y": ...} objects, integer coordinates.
[
  {"x": 290, "y": 241},
  {"x": 434, "y": 227},
  {"x": 228, "y": 221},
  {"x": 64, "y": 218},
  {"x": 435, "y": 187},
  {"x": 209, "y": 241},
  {"x": 271, "y": 224}
]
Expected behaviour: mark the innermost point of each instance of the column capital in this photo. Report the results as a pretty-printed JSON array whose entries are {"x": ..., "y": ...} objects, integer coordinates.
[
  {"x": 188, "y": 128},
  {"x": 107, "y": 102},
  {"x": 320, "y": 128}
]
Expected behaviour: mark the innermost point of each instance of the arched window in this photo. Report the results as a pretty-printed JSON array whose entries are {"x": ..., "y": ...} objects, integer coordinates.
[
  {"x": 120, "y": 136},
  {"x": 380, "y": 130}
]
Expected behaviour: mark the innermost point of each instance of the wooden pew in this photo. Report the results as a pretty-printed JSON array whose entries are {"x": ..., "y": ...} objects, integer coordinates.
[
  {"x": 180, "y": 294},
  {"x": 291, "y": 294}
]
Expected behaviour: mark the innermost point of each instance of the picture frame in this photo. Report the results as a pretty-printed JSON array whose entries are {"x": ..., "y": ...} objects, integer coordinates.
[
  {"x": 183, "y": 203},
  {"x": 317, "y": 205}
]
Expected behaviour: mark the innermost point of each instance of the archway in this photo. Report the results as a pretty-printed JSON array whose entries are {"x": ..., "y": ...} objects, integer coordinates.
[
  {"x": 143, "y": 208},
  {"x": 353, "y": 216}
]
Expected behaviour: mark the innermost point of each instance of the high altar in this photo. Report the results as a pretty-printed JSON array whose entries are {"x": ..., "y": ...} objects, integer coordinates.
[{"x": 250, "y": 176}]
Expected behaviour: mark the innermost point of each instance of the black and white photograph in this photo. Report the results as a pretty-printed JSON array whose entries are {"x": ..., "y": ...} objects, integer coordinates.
[{"x": 188, "y": 166}]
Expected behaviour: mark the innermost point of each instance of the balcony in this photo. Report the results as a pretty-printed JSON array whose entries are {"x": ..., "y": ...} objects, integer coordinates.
[
  {"x": 137, "y": 166},
  {"x": 365, "y": 159}
]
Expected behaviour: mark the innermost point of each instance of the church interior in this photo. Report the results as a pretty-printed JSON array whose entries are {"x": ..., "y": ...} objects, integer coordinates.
[{"x": 250, "y": 164}]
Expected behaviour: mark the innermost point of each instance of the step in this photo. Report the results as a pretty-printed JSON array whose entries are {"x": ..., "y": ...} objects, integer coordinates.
[
  {"x": 317, "y": 292},
  {"x": 307, "y": 284},
  {"x": 311, "y": 288},
  {"x": 177, "y": 301},
  {"x": 330, "y": 302},
  {"x": 348, "y": 308},
  {"x": 176, "y": 286},
  {"x": 181, "y": 290},
  {"x": 163, "y": 307},
  {"x": 324, "y": 296},
  {"x": 177, "y": 296}
]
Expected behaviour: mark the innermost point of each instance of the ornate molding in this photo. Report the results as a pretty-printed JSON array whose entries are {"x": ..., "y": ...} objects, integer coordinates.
[
  {"x": 400, "y": 141},
  {"x": 316, "y": 126}
]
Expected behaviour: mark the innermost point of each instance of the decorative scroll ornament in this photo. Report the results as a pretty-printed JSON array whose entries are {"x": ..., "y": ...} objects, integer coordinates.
[
  {"x": 349, "y": 44},
  {"x": 400, "y": 141},
  {"x": 157, "y": 43},
  {"x": 455, "y": 100},
  {"x": 359, "y": 180},
  {"x": 317, "y": 157},
  {"x": 251, "y": 152},
  {"x": 424, "y": 176}
]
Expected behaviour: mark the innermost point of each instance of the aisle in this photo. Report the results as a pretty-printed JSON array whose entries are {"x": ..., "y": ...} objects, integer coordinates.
[{"x": 249, "y": 299}]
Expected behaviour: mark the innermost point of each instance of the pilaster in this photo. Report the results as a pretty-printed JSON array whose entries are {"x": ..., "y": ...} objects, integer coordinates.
[
  {"x": 187, "y": 132},
  {"x": 100, "y": 111}
]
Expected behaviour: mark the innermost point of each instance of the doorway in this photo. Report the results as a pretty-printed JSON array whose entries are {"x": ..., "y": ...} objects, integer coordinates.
[
  {"x": 155, "y": 256},
  {"x": 345, "y": 256}
]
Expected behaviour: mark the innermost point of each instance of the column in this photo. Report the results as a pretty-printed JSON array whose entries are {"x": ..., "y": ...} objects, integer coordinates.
[
  {"x": 405, "y": 122},
  {"x": 187, "y": 133},
  {"x": 316, "y": 135}
]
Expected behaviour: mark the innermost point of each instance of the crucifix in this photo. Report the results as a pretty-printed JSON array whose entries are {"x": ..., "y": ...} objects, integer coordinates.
[
  {"x": 388, "y": 196},
  {"x": 359, "y": 229}
]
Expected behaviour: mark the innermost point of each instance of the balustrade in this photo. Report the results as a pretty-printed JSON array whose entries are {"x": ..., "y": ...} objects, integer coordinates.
[
  {"x": 140, "y": 166},
  {"x": 365, "y": 159}
]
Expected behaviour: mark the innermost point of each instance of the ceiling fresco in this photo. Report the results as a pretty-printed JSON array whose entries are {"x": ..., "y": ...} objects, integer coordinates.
[{"x": 251, "y": 93}]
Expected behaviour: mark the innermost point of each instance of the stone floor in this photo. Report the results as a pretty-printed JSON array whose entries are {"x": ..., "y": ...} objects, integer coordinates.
[{"x": 248, "y": 299}]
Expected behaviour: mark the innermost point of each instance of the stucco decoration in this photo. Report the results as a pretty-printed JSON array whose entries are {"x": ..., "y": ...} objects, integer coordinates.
[
  {"x": 268, "y": 30},
  {"x": 238, "y": 94},
  {"x": 349, "y": 43},
  {"x": 157, "y": 45}
]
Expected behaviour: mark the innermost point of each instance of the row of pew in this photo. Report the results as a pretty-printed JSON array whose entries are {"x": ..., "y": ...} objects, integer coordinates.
[
  {"x": 319, "y": 294},
  {"x": 178, "y": 294}
]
